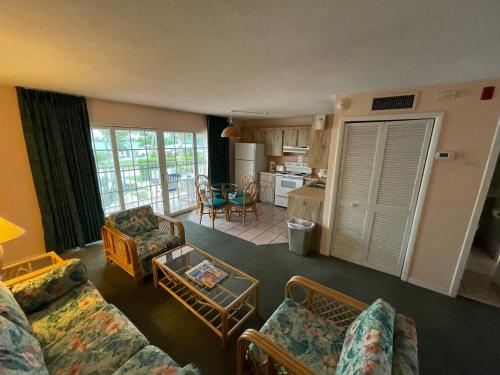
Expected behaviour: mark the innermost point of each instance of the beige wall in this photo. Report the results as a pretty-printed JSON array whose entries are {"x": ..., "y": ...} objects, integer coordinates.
[
  {"x": 105, "y": 112},
  {"x": 468, "y": 128},
  {"x": 18, "y": 202}
]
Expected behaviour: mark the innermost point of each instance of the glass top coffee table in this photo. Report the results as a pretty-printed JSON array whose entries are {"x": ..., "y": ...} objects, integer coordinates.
[{"x": 225, "y": 306}]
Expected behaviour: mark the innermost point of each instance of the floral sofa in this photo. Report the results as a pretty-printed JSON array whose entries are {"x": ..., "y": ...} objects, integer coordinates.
[
  {"x": 133, "y": 237},
  {"x": 58, "y": 323},
  {"x": 330, "y": 333}
]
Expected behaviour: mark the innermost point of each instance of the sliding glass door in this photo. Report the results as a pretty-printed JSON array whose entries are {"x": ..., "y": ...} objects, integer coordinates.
[
  {"x": 138, "y": 166},
  {"x": 106, "y": 173},
  {"x": 181, "y": 170}
]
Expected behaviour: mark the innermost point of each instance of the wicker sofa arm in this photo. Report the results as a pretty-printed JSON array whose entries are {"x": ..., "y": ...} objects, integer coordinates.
[
  {"x": 277, "y": 356},
  {"x": 171, "y": 225},
  {"x": 120, "y": 245}
]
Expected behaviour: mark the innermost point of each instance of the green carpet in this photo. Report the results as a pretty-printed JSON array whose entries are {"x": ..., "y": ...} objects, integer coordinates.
[{"x": 455, "y": 335}]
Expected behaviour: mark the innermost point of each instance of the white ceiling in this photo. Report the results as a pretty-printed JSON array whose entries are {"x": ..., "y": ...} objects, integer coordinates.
[{"x": 286, "y": 57}]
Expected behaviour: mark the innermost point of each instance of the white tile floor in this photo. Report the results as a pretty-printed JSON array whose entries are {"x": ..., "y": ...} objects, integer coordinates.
[{"x": 270, "y": 227}]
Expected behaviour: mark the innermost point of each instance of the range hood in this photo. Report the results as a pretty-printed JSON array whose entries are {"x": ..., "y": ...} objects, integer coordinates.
[{"x": 295, "y": 150}]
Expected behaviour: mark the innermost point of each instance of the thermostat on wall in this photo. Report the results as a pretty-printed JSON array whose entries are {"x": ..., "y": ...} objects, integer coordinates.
[{"x": 446, "y": 155}]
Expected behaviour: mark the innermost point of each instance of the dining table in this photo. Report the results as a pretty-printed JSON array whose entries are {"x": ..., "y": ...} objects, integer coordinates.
[{"x": 224, "y": 188}]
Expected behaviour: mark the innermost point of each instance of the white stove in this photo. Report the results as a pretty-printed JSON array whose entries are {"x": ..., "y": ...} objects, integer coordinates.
[{"x": 291, "y": 179}]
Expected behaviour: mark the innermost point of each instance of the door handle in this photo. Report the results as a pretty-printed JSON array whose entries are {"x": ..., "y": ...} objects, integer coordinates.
[{"x": 354, "y": 205}]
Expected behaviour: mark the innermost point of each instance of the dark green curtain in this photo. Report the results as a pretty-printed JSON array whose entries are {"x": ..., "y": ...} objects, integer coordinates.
[
  {"x": 57, "y": 133},
  {"x": 218, "y": 150}
]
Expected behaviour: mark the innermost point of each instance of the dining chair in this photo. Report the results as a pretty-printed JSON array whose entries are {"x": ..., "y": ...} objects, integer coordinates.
[
  {"x": 198, "y": 180},
  {"x": 210, "y": 202},
  {"x": 244, "y": 181},
  {"x": 247, "y": 202}
]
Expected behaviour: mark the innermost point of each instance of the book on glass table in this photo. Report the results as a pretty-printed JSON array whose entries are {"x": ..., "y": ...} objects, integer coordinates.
[{"x": 206, "y": 273}]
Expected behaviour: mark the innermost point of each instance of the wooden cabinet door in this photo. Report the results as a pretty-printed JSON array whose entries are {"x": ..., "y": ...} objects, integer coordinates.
[
  {"x": 274, "y": 142},
  {"x": 290, "y": 137},
  {"x": 266, "y": 188},
  {"x": 303, "y": 137},
  {"x": 319, "y": 148}
]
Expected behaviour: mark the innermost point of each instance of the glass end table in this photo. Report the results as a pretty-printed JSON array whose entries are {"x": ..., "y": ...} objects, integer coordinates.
[
  {"x": 224, "y": 307},
  {"x": 28, "y": 268}
]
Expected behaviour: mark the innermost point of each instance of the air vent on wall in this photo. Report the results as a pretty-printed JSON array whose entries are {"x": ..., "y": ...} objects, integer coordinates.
[{"x": 387, "y": 103}]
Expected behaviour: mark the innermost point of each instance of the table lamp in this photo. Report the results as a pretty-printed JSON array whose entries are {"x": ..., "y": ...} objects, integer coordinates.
[{"x": 8, "y": 231}]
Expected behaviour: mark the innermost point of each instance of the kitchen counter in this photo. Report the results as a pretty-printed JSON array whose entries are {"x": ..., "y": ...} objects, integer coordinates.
[
  {"x": 268, "y": 172},
  {"x": 307, "y": 203},
  {"x": 308, "y": 192}
]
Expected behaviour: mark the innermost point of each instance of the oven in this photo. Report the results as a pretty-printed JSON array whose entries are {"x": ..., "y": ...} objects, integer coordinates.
[{"x": 284, "y": 184}]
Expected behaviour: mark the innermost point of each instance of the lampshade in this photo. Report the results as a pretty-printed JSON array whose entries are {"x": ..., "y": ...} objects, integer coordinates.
[
  {"x": 9, "y": 231},
  {"x": 231, "y": 132}
]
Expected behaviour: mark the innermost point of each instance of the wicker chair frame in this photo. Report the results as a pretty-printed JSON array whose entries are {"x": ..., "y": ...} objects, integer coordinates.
[
  {"x": 122, "y": 249},
  {"x": 325, "y": 302}
]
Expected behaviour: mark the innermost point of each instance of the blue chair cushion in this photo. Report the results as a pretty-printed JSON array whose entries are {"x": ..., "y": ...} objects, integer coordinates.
[
  {"x": 315, "y": 341},
  {"x": 217, "y": 203},
  {"x": 238, "y": 201}
]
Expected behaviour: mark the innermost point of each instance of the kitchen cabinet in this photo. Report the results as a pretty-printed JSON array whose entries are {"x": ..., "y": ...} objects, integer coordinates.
[
  {"x": 319, "y": 148},
  {"x": 274, "y": 142},
  {"x": 290, "y": 137},
  {"x": 266, "y": 187},
  {"x": 303, "y": 137}
]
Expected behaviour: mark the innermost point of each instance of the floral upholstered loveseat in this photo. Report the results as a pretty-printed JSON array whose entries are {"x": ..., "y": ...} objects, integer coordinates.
[
  {"x": 58, "y": 323},
  {"x": 133, "y": 237},
  {"x": 329, "y": 333}
]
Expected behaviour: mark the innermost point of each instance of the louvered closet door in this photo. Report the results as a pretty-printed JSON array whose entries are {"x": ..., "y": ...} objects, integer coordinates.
[
  {"x": 356, "y": 180},
  {"x": 401, "y": 150}
]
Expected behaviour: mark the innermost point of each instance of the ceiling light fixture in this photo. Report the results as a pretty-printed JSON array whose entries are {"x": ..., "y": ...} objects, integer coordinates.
[{"x": 230, "y": 131}]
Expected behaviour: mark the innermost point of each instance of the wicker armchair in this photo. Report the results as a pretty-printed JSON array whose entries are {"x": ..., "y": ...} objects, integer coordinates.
[
  {"x": 132, "y": 237},
  {"x": 260, "y": 353}
]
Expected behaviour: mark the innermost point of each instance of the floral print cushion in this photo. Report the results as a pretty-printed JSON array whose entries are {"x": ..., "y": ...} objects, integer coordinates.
[
  {"x": 150, "y": 360},
  {"x": 42, "y": 289},
  {"x": 20, "y": 353},
  {"x": 52, "y": 322},
  {"x": 405, "y": 357},
  {"x": 10, "y": 309},
  {"x": 313, "y": 340},
  {"x": 134, "y": 221},
  {"x": 98, "y": 345},
  {"x": 154, "y": 242},
  {"x": 368, "y": 342}
]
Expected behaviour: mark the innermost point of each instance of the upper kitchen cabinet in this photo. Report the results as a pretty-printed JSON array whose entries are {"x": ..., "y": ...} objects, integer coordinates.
[
  {"x": 303, "y": 137},
  {"x": 274, "y": 142},
  {"x": 290, "y": 137},
  {"x": 319, "y": 146}
]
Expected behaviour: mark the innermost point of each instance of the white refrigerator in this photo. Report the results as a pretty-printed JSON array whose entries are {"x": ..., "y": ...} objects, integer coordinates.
[{"x": 250, "y": 158}]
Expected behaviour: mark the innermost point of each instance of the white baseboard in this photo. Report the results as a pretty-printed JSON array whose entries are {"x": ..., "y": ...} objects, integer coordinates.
[{"x": 430, "y": 286}]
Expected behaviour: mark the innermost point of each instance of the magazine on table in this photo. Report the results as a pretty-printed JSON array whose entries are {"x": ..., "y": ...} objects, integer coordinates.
[{"x": 206, "y": 273}]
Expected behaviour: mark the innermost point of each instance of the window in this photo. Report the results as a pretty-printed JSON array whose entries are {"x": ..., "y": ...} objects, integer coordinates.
[
  {"x": 134, "y": 170},
  {"x": 202, "y": 153},
  {"x": 106, "y": 173}
]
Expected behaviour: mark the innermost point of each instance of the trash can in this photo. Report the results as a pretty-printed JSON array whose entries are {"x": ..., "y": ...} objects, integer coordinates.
[{"x": 299, "y": 235}]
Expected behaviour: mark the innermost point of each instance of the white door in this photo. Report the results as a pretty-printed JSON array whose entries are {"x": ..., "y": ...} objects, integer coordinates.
[
  {"x": 244, "y": 151},
  {"x": 243, "y": 167},
  {"x": 381, "y": 172}
]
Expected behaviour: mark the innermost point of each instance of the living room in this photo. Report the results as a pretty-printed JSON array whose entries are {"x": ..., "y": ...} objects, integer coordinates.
[{"x": 161, "y": 165}]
